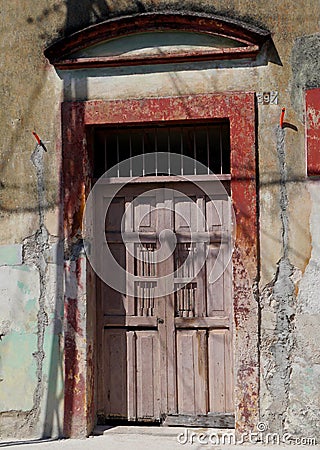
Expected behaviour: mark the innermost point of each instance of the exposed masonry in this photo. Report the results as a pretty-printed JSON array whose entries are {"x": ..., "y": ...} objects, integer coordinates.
[
  {"x": 35, "y": 248},
  {"x": 278, "y": 316},
  {"x": 305, "y": 70}
]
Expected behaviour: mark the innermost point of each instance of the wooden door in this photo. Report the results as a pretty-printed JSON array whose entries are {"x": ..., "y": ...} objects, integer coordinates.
[{"x": 165, "y": 346}]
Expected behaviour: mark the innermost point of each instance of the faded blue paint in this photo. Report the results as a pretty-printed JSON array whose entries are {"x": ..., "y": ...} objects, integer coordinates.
[
  {"x": 10, "y": 255},
  {"x": 18, "y": 371},
  {"x": 157, "y": 41},
  {"x": 23, "y": 287}
]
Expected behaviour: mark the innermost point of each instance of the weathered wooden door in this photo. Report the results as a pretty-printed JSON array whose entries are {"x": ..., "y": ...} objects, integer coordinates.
[{"x": 165, "y": 346}]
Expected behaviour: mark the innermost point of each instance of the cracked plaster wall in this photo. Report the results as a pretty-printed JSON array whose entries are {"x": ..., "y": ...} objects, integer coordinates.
[{"x": 31, "y": 258}]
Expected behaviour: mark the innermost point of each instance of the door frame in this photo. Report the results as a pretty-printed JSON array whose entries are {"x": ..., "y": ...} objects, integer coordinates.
[{"x": 80, "y": 310}]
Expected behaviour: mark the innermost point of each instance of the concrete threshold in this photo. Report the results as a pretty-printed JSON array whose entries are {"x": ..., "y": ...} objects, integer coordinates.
[
  {"x": 156, "y": 430},
  {"x": 151, "y": 438}
]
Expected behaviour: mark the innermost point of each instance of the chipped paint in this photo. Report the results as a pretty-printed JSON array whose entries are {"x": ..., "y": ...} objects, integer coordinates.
[
  {"x": 313, "y": 131},
  {"x": 239, "y": 107},
  {"x": 32, "y": 93}
]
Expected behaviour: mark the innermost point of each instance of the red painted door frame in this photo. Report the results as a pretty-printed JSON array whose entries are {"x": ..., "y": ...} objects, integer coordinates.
[{"x": 239, "y": 109}]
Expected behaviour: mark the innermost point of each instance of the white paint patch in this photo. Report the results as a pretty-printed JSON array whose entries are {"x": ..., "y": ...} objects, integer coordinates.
[
  {"x": 309, "y": 292},
  {"x": 19, "y": 293}
]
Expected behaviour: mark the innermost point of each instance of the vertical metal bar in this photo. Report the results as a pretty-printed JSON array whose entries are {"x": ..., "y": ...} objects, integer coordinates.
[
  {"x": 208, "y": 151},
  {"x": 181, "y": 151},
  {"x": 193, "y": 300},
  {"x": 156, "y": 150},
  {"x": 153, "y": 263},
  {"x": 143, "y": 157},
  {"x": 130, "y": 155},
  {"x": 194, "y": 153},
  {"x": 118, "y": 157},
  {"x": 152, "y": 301},
  {"x": 169, "y": 151},
  {"x": 220, "y": 135},
  {"x": 185, "y": 305},
  {"x": 105, "y": 154}
]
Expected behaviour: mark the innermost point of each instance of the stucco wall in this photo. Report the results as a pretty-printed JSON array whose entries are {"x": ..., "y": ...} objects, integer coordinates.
[{"x": 31, "y": 259}]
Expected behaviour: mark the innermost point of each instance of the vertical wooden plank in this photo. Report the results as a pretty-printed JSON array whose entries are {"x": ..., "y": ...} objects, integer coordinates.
[
  {"x": 167, "y": 267},
  {"x": 192, "y": 371},
  {"x": 229, "y": 372},
  {"x": 144, "y": 214},
  {"x": 114, "y": 302},
  {"x": 185, "y": 213},
  {"x": 201, "y": 371},
  {"x": 115, "y": 364},
  {"x": 215, "y": 290},
  {"x": 131, "y": 375},
  {"x": 185, "y": 372},
  {"x": 217, "y": 370},
  {"x": 100, "y": 351},
  {"x": 227, "y": 287},
  {"x": 148, "y": 375},
  {"x": 128, "y": 227},
  {"x": 200, "y": 261},
  {"x": 217, "y": 219},
  {"x": 162, "y": 309},
  {"x": 214, "y": 213},
  {"x": 227, "y": 260},
  {"x": 114, "y": 213}
]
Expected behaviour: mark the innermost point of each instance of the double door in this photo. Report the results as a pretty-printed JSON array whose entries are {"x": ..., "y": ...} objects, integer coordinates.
[{"x": 165, "y": 344}]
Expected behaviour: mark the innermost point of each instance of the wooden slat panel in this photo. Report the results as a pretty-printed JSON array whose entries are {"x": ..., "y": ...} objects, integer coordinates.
[
  {"x": 134, "y": 321},
  {"x": 209, "y": 421},
  {"x": 218, "y": 292},
  {"x": 114, "y": 214},
  {"x": 115, "y": 366},
  {"x": 215, "y": 291},
  {"x": 148, "y": 374},
  {"x": 192, "y": 371},
  {"x": 201, "y": 371},
  {"x": 214, "y": 214},
  {"x": 229, "y": 372},
  {"x": 128, "y": 227},
  {"x": 215, "y": 236},
  {"x": 202, "y": 322},
  {"x": 131, "y": 375},
  {"x": 228, "y": 288},
  {"x": 114, "y": 302},
  {"x": 144, "y": 215},
  {"x": 185, "y": 213},
  {"x": 220, "y": 372},
  {"x": 185, "y": 372}
]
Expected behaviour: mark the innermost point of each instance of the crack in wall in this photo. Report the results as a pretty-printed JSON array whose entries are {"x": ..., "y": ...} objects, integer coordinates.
[
  {"x": 278, "y": 298},
  {"x": 34, "y": 250}
]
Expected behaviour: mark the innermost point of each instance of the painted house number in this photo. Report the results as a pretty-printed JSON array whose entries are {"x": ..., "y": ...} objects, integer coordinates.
[{"x": 267, "y": 98}]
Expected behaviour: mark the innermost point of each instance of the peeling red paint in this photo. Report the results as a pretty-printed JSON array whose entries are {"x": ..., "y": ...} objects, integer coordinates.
[
  {"x": 72, "y": 315},
  {"x": 249, "y": 40},
  {"x": 313, "y": 131}
]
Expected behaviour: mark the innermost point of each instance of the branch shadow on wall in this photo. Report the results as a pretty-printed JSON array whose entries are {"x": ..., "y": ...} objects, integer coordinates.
[{"x": 88, "y": 11}]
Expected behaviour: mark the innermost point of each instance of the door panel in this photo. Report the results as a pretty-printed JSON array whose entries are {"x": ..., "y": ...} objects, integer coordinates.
[
  {"x": 192, "y": 372},
  {"x": 148, "y": 374},
  {"x": 168, "y": 354},
  {"x": 220, "y": 372},
  {"x": 115, "y": 362}
]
